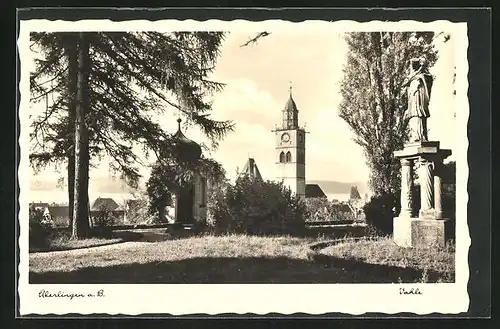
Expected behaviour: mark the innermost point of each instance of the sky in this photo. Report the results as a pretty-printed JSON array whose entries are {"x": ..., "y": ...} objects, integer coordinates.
[{"x": 257, "y": 79}]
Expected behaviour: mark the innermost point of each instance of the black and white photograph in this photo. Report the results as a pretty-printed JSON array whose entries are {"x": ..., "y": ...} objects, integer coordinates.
[{"x": 223, "y": 162}]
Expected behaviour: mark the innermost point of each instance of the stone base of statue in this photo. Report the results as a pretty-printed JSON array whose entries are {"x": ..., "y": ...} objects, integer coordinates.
[
  {"x": 422, "y": 233},
  {"x": 425, "y": 226},
  {"x": 422, "y": 149}
]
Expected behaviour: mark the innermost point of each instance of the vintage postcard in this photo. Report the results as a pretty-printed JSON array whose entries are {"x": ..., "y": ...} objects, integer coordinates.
[{"x": 208, "y": 167}]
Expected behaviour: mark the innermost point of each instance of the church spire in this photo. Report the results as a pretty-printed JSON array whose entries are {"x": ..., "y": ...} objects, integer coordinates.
[{"x": 290, "y": 112}]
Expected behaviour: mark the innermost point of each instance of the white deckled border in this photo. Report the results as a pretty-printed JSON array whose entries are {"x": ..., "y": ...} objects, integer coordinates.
[{"x": 178, "y": 299}]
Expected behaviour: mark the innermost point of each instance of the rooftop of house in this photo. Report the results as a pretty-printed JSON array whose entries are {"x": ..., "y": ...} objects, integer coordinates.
[
  {"x": 343, "y": 207},
  {"x": 39, "y": 204},
  {"x": 314, "y": 191},
  {"x": 107, "y": 203},
  {"x": 58, "y": 211}
]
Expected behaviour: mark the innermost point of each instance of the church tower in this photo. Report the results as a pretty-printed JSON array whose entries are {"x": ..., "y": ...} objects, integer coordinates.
[{"x": 291, "y": 149}]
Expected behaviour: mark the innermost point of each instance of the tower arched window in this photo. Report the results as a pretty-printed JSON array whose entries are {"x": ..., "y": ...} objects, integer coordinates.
[
  {"x": 282, "y": 157},
  {"x": 288, "y": 156}
]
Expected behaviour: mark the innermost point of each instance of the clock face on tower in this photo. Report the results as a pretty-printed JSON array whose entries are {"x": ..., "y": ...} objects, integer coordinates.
[{"x": 285, "y": 137}]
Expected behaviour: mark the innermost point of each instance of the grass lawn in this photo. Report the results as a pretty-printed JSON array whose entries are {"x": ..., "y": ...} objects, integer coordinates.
[
  {"x": 62, "y": 241},
  {"x": 236, "y": 259},
  {"x": 436, "y": 265}
]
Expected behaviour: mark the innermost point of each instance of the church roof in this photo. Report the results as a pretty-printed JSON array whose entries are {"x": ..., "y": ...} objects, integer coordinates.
[
  {"x": 290, "y": 113},
  {"x": 290, "y": 105},
  {"x": 251, "y": 169},
  {"x": 314, "y": 191},
  {"x": 354, "y": 194}
]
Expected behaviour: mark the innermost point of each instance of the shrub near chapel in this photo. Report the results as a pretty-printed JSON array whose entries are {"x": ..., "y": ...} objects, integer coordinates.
[{"x": 253, "y": 206}]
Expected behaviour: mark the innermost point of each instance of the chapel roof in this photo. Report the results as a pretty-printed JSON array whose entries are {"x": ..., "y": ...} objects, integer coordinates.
[{"x": 189, "y": 148}]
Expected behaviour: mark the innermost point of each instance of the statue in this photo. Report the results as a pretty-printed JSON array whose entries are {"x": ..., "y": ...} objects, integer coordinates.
[{"x": 419, "y": 91}]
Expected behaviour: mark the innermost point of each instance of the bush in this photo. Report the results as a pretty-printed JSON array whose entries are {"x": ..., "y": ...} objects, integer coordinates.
[
  {"x": 218, "y": 214},
  {"x": 379, "y": 213},
  {"x": 449, "y": 200},
  {"x": 40, "y": 228},
  {"x": 321, "y": 210},
  {"x": 138, "y": 211},
  {"x": 253, "y": 206},
  {"x": 448, "y": 189},
  {"x": 102, "y": 222},
  {"x": 317, "y": 210}
]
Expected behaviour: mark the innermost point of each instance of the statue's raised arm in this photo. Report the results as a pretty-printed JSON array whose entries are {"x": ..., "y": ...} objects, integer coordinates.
[{"x": 419, "y": 91}]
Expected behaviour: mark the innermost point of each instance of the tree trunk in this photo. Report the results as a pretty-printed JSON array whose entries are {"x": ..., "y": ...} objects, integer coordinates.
[
  {"x": 81, "y": 211},
  {"x": 91, "y": 220},
  {"x": 72, "y": 87}
]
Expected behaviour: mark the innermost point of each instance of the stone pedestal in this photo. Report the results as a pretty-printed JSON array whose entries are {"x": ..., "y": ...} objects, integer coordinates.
[
  {"x": 402, "y": 231},
  {"x": 421, "y": 233},
  {"x": 430, "y": 232},
  {"x": 429, "y": 228}
]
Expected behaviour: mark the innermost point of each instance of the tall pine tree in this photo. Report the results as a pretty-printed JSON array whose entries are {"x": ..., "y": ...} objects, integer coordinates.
[
  {"x": 131, "y": 77},
  {"x": 80, "y": 227}
]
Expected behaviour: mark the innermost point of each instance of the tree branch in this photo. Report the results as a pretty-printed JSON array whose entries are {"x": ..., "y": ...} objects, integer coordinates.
[{"x": 254, "y": 39}]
